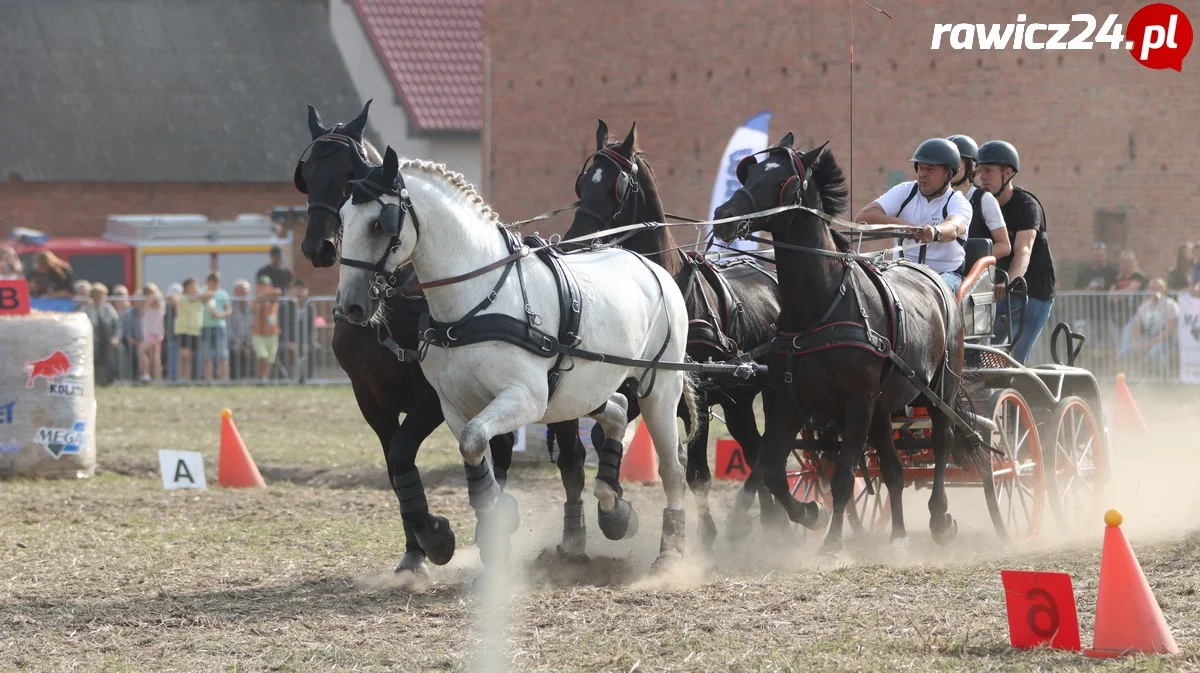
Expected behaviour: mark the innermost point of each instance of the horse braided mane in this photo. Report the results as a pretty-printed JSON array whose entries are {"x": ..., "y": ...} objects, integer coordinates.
[{"x": 459, "y": 181}]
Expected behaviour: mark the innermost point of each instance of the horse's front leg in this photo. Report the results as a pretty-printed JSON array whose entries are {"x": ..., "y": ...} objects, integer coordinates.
[
  {"x": 699, "y": 477},
  {"x": 739, "y": 418},
  {"x": 495, "y": 512},
  {"x": 428, "y": 535},
  {"x": 941, "y": 524},
  {"x": 615, "y": 515},
  {"x": 856, "y": 422},
  {"x": 571, "y": 456}
]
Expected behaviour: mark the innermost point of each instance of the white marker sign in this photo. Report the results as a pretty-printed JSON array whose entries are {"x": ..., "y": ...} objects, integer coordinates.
[{"x": 182, "y": 469}]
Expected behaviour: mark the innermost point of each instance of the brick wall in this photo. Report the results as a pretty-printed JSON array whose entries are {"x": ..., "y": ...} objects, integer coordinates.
[
  {"x": 80, "y": 209},
  {"x": 1096, "y": 131}
]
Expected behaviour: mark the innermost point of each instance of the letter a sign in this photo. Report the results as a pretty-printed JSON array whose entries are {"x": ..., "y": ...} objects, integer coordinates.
[
  {"x": 182, "y": 469},
  {"x": 731, "y": 462}
]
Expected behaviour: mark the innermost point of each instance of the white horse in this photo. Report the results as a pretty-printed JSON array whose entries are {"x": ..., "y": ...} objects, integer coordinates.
[{"x": 420, "y": 212}]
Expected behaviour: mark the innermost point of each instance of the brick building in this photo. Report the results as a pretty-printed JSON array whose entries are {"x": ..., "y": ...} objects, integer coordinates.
[
  {"x": 1107, "y": 145},
  {"x": 139, "y": 106}
]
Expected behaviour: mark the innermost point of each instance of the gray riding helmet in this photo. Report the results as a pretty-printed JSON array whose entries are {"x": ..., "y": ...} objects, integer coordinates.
[
  {"x": 937, "y": 152},
  {"x": 967, "y": 148},
  {"x": 1000, "y": 152}
]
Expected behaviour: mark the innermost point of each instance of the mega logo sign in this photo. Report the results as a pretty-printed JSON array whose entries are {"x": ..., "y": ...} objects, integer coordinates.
[
  {"x": 56, "y": 369},
  {"x": 62, "y": 441}
]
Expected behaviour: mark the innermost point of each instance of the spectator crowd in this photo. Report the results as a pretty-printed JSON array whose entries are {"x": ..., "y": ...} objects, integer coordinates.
[
  {"x": 1142, "y": 316},
  {"x": 195, "y": 331}
]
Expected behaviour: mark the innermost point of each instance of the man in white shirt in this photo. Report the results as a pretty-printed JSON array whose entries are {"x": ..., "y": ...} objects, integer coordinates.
[
  {"x": 929, "y": 203},
  {"x": 986, "y": 219}
]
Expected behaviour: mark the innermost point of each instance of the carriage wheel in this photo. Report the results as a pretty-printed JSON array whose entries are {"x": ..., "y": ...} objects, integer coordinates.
[
  {"x": 870, "y": 513},
  {"x": 1077, "y": 465},
  {"x": 806, "y": 483},
  {"x": 1017, "y": 471}
]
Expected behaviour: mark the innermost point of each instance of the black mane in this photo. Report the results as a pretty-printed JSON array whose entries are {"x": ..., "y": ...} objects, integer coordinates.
[
  {"x": 831, "y": 183},
  {"x": 658, "y": 244}
]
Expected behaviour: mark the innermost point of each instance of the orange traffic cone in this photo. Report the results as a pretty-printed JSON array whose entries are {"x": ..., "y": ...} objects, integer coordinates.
[
  {"x": 235, "y": 467},
  {"x": 640, "y": 462},
  {"x": 1128, "y": 618},
  {"x": 1128, "y": 416}
]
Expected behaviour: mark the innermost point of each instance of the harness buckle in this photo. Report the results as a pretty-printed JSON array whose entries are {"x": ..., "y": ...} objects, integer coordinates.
[
  {"x": 575, "y": 306},
  {"x": 547, "y": 344},
  {"x": 787, "y": 377}
]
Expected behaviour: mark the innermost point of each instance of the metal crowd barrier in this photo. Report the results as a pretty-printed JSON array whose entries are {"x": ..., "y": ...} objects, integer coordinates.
[
  {"x": 303, "y": 353},
  {"x": 305, "y": 356}
]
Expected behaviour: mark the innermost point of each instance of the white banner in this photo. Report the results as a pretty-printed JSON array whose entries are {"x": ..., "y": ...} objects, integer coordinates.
[
  {"x": 1189, "y": 339},
  {"x": 749, "y": 138}
]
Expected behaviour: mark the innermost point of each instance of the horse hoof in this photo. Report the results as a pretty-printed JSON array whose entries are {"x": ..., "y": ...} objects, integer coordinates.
[
  {"x": 813, "y": 516},
  {"x": 437, "y": 539},
  {"x": 666, "y": 563},
  {"x": 571, "y": 556},
  {"x": 619, "y": 524},
  {"x": 412, "y": 561},
  {"x": 507, "y": 518},
  {"x": 573, "y": 543},
  {"x": 944, "y": 532},
  {"x": 707, "y": 529},
  {"x": 830, "y": 548}
]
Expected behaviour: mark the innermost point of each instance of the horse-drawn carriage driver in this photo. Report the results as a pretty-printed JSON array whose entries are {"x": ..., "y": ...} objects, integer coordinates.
[{"x": 929, "y": 202}]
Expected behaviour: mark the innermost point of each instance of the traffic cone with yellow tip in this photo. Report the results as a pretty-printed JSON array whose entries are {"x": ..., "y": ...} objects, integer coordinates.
[
  {"x": 1128, "y": 619},
  {"x": 235, "y": 467}
]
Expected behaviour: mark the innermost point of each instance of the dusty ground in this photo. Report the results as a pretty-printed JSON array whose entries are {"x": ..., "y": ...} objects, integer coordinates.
[{"x": 114, "y": 574}]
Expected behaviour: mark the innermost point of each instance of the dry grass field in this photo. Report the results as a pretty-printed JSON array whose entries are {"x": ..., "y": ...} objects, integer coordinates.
[{"x": 114, "y": 574}]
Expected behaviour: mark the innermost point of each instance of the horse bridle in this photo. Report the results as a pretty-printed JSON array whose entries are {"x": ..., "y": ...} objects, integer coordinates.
[
  {"x": 625, "y": 189},
  {"x": 391, "y": 222},
  {"x": 799, "y": 176},
  {"x": 298, "y": 176}
]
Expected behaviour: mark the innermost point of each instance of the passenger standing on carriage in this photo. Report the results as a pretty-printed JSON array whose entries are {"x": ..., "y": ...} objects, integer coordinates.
[
  {"x": 941, "y": 212},
  {"x": 1030, "y": 264},
  {"x": 986, "y": 219}
]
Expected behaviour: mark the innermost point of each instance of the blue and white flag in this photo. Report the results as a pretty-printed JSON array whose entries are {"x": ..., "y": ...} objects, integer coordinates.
[{"x": 749, "y": 138}]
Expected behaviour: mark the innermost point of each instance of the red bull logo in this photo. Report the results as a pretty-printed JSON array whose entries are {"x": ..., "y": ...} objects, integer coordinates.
[{"x": 53, "y": 368}]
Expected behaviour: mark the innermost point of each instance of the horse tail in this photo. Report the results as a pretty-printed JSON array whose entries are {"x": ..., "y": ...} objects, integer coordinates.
[{"x": 689, "y": 396}]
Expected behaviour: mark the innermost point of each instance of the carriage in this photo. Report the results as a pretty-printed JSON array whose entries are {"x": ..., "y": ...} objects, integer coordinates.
[{"x": 1043, "y": 423}]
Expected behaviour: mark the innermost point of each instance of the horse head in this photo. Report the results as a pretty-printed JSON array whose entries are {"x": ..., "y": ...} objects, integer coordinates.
[
  {"x": 324, "y": 175},
  {"x": 616, "y": 188},
  {"x": 782, "y": 177},
  {"x": 375, "y": 241}
]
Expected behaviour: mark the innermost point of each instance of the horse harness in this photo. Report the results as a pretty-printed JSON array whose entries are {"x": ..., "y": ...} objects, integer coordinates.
[{"x": 475, "y": 328}]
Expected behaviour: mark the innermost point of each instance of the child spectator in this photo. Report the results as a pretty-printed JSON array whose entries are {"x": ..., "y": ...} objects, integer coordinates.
[
  {"x": 266, "y": 325},
  {"x": 188, "y": 320},
  {"x": 153, "y": 332}
]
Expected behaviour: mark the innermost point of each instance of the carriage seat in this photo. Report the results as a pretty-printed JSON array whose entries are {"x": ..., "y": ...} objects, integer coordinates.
[{"x": 976, "y": 296}]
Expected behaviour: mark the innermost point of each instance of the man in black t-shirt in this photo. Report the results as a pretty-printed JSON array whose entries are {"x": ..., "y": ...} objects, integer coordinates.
[
  {"x": 1030, "y": 264},
  {"x": 1098, "y": 276},
  {"x": 280, "y": 275}
]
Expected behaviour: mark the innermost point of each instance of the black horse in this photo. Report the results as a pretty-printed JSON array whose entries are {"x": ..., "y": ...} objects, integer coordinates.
[
  {"x": 841, "y": 319},
  {"x": 732, "y": 306},
  {"x": 385, "y": 386}
]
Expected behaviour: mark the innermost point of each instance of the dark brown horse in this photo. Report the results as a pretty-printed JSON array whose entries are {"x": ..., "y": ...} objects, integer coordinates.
[
  {"x": 839, "y": 319},
  {"x": 384, "y": 386},
  {"x": 732, "y": 306}
]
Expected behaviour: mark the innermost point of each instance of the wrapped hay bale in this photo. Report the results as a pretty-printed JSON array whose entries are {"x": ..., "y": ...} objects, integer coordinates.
[{"x": 47, "y": 396}]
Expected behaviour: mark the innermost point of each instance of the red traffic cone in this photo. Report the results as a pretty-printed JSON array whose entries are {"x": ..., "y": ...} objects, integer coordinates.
[
  {"x": 1128, "y": 416},
  {"x": 640, "y": 462},
  {"x": 235, "y": 467},
  {"x": 1128, "y": 619}
]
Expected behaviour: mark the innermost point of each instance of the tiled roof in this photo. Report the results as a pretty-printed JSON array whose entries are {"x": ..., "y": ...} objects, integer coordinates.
[
  {"x": 432, "y": 51},
  {"x": 165, "y": 91}
]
